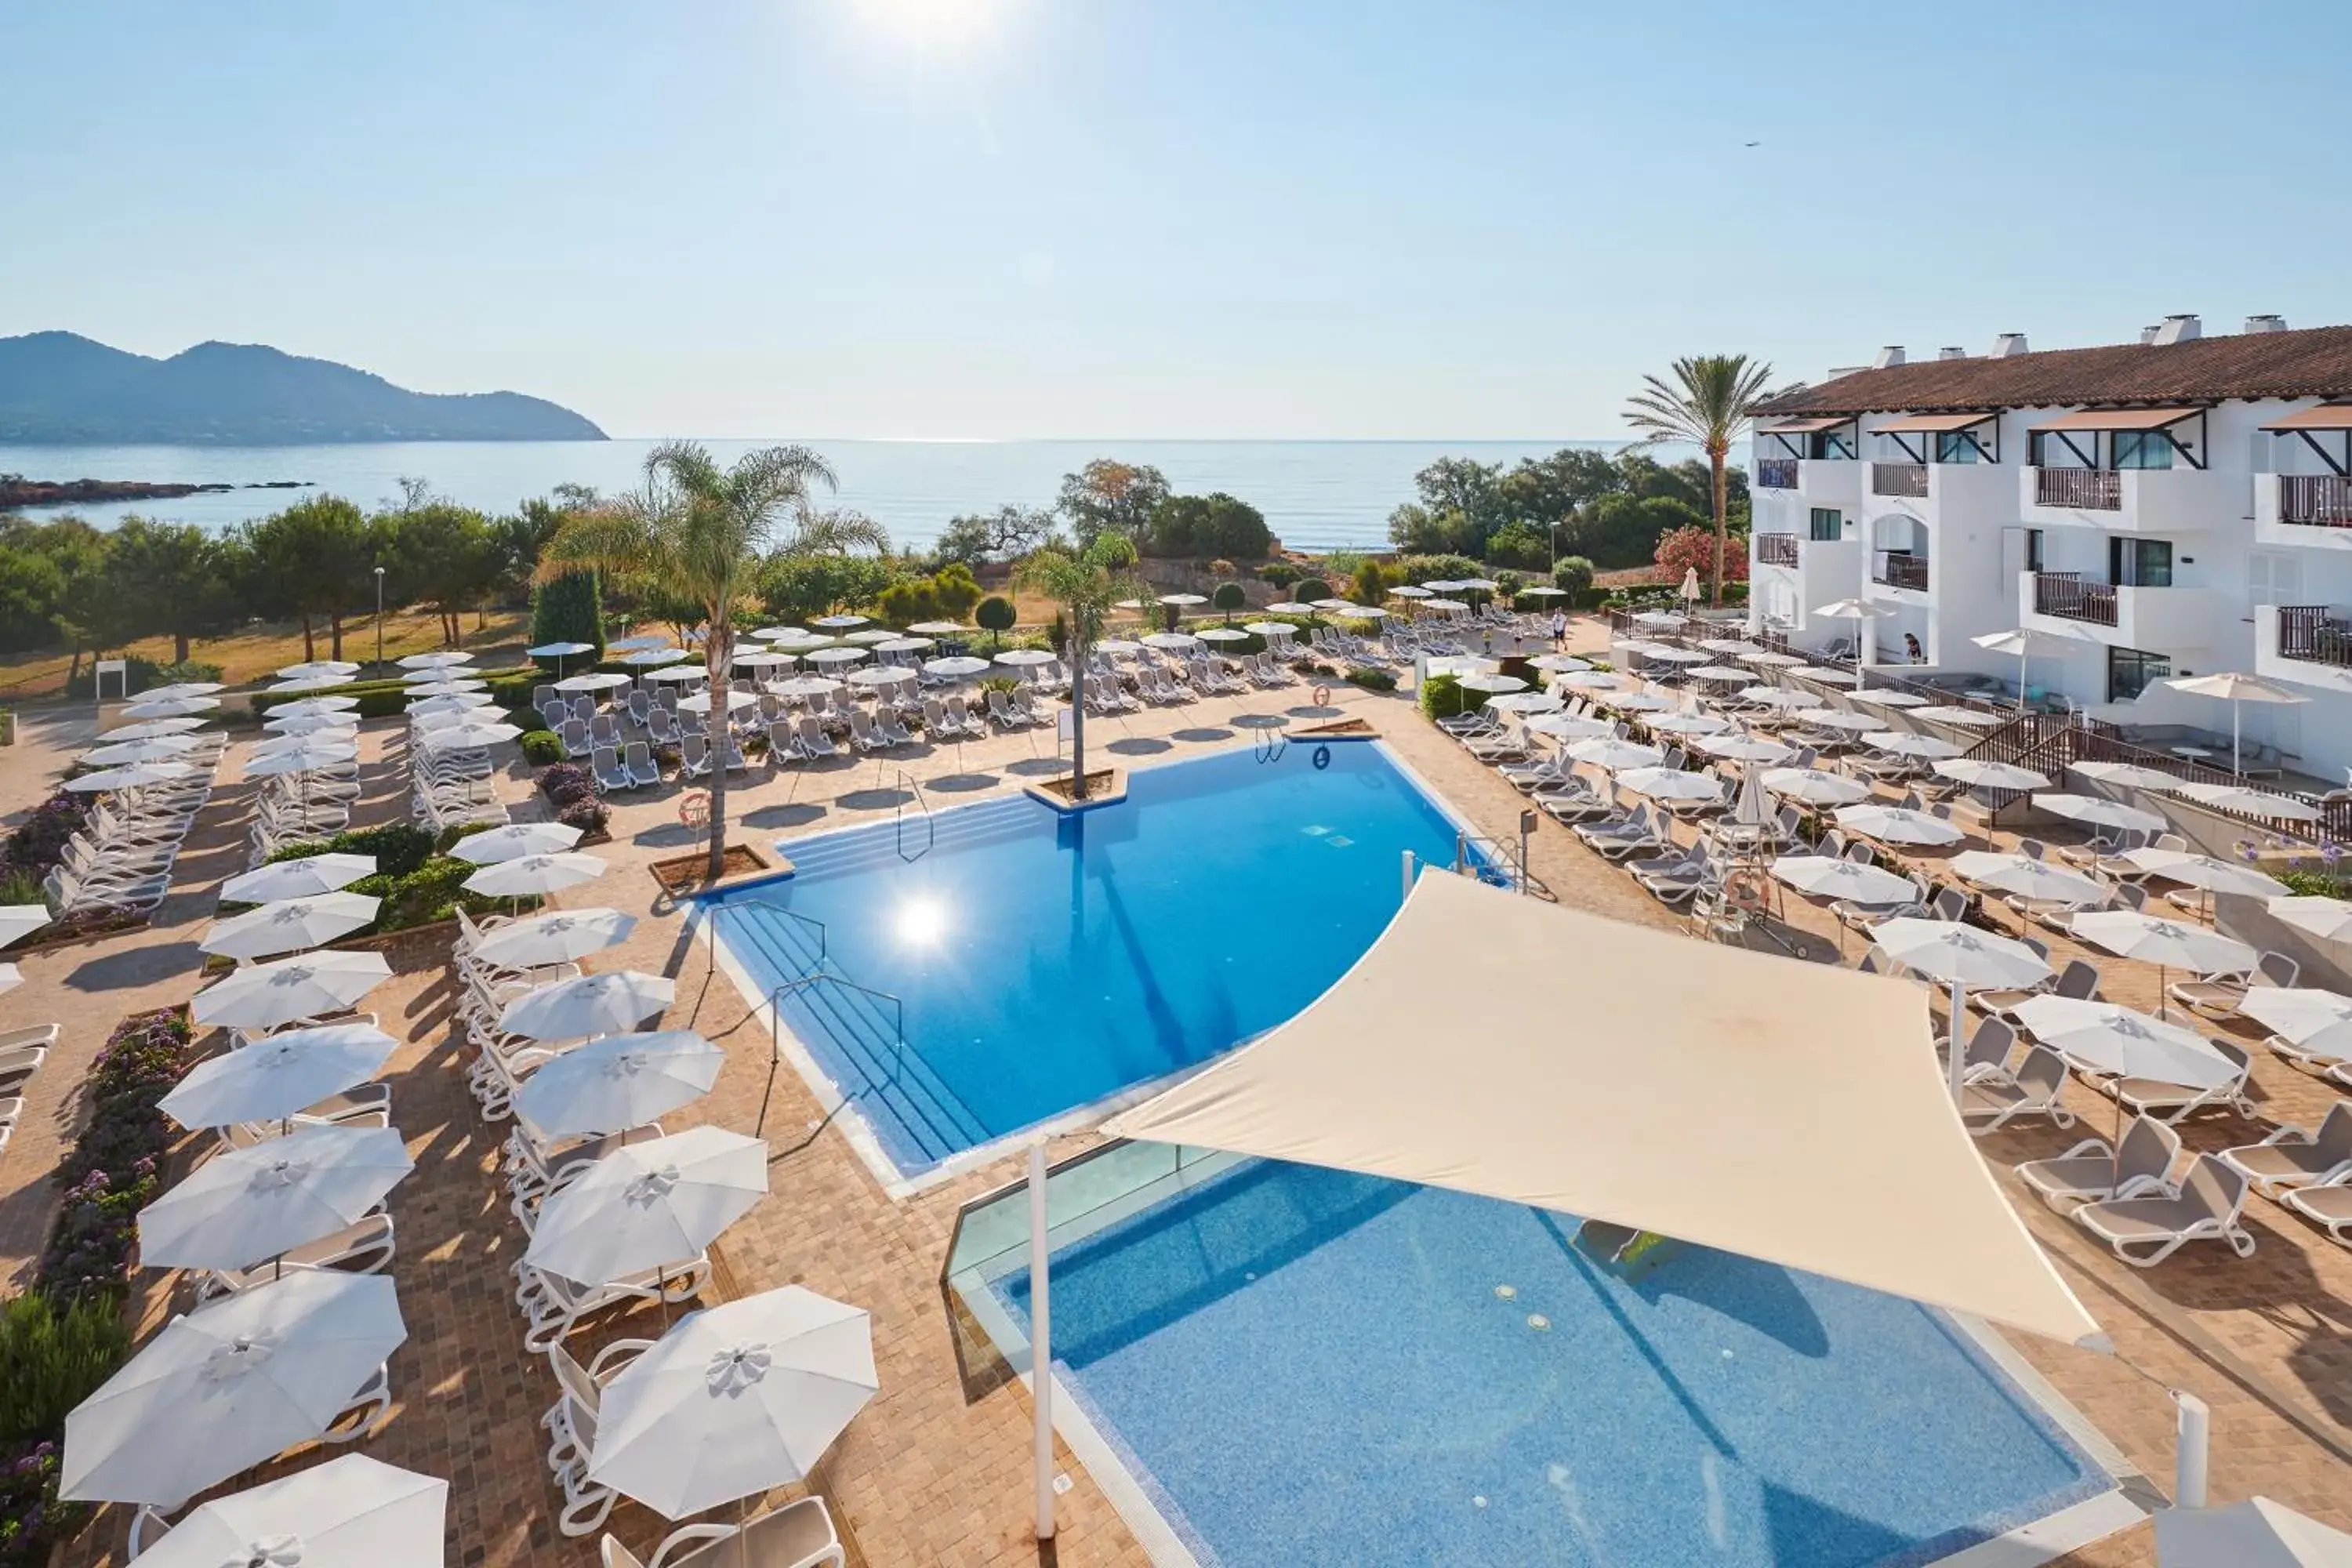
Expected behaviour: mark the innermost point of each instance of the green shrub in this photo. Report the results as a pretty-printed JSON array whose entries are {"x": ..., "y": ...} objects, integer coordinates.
[
  {"x": 1280, "y": 574},
  {"x": 1306, "y": 590},
  {"x": 1435, "y": 569},
  {"x": 52, "y": 1357},
  {"x": 569, "y": 608},
  {"x": 1520, "y": 544},
  {"x": 995, "y": 616},
  {"x": 1228, "y": 597},
  {"x": 1574, "y": 573},
  {"x": 541, "y": 747},
  {"x": 1442, "y": 697},
  {"x": 956, "y": 589},
  {"x": 1371, "y": 678},
  {"x": 399, "y": 847},
  {"x": 1370, "y": 586},
  {"x": 2311, "y": 884}
]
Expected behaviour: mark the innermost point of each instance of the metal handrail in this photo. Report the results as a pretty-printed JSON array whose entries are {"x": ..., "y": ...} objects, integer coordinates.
[
  {"x": 809, "y": 922},
  {"x": 930, "y": 829}
]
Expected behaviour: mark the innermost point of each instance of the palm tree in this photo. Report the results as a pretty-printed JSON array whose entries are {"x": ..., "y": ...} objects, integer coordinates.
[
  {"x": 1711, "y": 405},
  {"x": 1087, "y": 585},
  {"x": 699, "y": 531}
]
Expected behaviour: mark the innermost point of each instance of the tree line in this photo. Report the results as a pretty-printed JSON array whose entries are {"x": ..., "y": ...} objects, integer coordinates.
[{"x": 1609, "y": 509}]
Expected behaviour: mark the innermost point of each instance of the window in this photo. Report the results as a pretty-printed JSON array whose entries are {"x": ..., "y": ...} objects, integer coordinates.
[
  {"x": 1957, "y": 446},
  {"x": 1829, "y": 525},
  {"x": 2034, "y": 550},
  {"x": 2131, "y": 673},
  {"x": 2139, "y": 563},
  {"x": 1832, "y": 444},
  {"x": 2143, "y": 450}
]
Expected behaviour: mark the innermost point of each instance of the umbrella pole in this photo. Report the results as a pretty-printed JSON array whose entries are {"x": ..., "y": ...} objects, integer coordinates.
[{"x": 1958, "y": 1065}]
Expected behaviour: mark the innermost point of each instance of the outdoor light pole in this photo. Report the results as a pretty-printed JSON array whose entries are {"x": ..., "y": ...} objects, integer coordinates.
[
  {"x": 379, "y": 620},
  {"x": 1041, "y": 1343}
]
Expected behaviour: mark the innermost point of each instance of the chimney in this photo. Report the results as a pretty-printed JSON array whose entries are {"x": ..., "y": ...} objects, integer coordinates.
[
  {"x": 2008, "y": 344},
  {"x": 1948, "y": 352},
  {"x": 1889, "y": 357},
  {"x": 2265, "y": 324},
  {"x": 2147, "y": 334},
  {"x": 2176, "y": 330}
]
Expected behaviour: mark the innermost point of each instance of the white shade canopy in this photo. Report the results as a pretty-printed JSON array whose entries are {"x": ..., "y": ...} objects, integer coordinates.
[
  {"x": 1835, "y": 876},
  {"x": 2028, "y": 878},
  {"x": 181, "y": 689},
  {"x": 265, "y": 995},
  {"x": 1815, "y": 787},
  {"x": 1944, "y": 713},
  {"x": 438, "y": 659},
  {"x": 468, "y": 736},
  {"x": 1905, "y": 743},
  {"x": 608, "y": 1003},
  {"x": 620, "y": 1081},
  {"x": 560, "y": 649},
  {"x": 530, "y": 875},
  {"x": 557, "y": 937},
  {"x": 838, "y": 621},
  {"x": 1888, "y": 697},
  {"x": 1563, "y": 727},
  {"x": 1959, "y": 954},
  {"x": 956, "y": 667},
  {"x": 2206, "y": 871},
  {"x": 2099, "y": 812},
  {"x": 2169, "y": 943},
  {"x": 836, "y": 655},
  {"x": 737, "y": 1399},
  {"x": 1895, "y": 825},
  {"x": 247, "y": 1204},
  {"x": 1612, "y": 754},
  {"x": 18, "y": 921},
  {"x": 938, "y": 629},
  {"x": 1756, "y": 1056},
  {"x": 2109, "y": 1038},
  {"x": 1979, "y": 774},
  {"x": 645, "y": 1206},
  {"x": 350, "y": 1512},
  {"x": 290, "y": 925},
  {"x": 2256, "y": 1533},
  {"x": 687, "y": 674},
  {"x": 278, "y": 1076},
  {"x": 822, "y": 685},
  {"x": 2316, "y": 1020},
  {"x": 155, "y": 749},
  {"x": 513, "y": 840},
  {"x": 2330, "y": 919},
  {"x": 1742, "y": 748},
  {"x": 313, "y": 668},
  {"x": 226, "y": 1388}
]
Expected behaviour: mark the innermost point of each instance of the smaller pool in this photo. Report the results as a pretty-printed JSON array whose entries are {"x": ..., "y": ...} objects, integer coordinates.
[{"x": 1308, "y": 1367}]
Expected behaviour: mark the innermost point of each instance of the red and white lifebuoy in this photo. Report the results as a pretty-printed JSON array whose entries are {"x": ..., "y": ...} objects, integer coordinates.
[
  {"x": 1322, "y": 696},
  {"x": 694, "y": 808}
]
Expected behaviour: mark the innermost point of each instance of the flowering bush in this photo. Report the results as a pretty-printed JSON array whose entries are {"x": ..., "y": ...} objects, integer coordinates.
[
  {"x": 37, "y": 846},
  {"x": 31, "y": 1518},
  {"x": 567, "y": 782},
  {"x": 1692, "y": 548},
  {"x": 589, "y": 814},
  {"x": 109, "y": 1174}
]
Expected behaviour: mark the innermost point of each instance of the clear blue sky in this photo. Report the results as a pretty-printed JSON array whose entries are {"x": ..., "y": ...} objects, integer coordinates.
[{"x": 998, "y": 218}]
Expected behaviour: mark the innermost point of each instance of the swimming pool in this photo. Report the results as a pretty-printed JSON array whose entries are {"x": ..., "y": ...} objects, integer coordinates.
[
  {"x": 1311, "y": 1367},
  {"x": 1035, "y": 961}
]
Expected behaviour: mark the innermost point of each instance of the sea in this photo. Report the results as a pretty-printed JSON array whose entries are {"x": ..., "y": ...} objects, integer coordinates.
[{"x": 1316, "y": 495}]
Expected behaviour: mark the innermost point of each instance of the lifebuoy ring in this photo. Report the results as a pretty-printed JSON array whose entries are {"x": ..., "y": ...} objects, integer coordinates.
[
  {"x": 1322, "y": 696},
  {"x": 1322, "y": 758},
  {"x": 694, "y": 808},
  {"x": 1748, "y": 891}
]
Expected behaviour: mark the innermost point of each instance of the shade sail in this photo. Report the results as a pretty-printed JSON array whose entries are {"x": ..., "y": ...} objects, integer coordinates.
[
  {"x": 1805, "y": 425},
  {"x": 2326, "y": 416},
  {"x": 2120, "y": 419},
  {"x": 1788, "y": 1111},
  {"x": 1925, "y": 424}
]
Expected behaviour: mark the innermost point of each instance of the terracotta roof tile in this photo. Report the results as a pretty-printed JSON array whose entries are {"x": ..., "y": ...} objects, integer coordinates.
[{"x": 2313, "y": 362}]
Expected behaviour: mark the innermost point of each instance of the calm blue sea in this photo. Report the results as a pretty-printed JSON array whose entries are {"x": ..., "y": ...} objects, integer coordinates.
[{"x": 1315, "y": 494}]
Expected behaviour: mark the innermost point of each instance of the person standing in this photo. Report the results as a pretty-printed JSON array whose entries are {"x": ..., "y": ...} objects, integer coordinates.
[{"x": 1558, "y": 630}]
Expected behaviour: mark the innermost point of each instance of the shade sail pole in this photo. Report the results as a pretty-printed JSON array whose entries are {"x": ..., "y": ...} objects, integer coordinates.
[
  {"x": 1040, "y": 1344},
  {"x": 1959, "y": 1066}
]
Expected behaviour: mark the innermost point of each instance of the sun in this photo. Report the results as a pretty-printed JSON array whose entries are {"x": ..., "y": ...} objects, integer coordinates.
[{"x": 932, "y": 21}]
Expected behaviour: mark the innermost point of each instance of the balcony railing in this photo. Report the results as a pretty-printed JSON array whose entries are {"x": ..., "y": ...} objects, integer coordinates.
[
  {"x": 1899, "y": 570},
  {"x": 2321, "y": 500},
  {"x": 2067, "y": 595},
  {"x": 1776, "y": 550},
  {"x": 2084, "y": 489},
  {"x": 2310, "y": 633},
  {"x": 1898, "y": 479},
  {"x": 1775, "y": 473}
]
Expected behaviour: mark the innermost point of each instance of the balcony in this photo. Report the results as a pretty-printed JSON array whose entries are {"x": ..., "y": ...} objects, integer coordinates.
[
  {"x": 2068, "y": 596},
  {"x": 2134, "y": 500},
  {"x": 1775, "y": 473},
  {"x": 1776, "y": 550},
  {"x": 1907, "y": 479},
  {"x": 2315, "y": 500},
  {"x": 1894, "y": 570},
  {"x": 2081, "y": 489},
  {"x": 2308, "y": 644}
]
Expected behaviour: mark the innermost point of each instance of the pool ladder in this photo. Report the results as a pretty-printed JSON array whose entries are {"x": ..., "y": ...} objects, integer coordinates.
[
  {"x": 907, "y": 786},
  {"x": 1267, "y": 745}
]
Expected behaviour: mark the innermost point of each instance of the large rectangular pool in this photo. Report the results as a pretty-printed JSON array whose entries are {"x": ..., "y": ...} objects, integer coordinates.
[{"x": 1035, "y": 961}]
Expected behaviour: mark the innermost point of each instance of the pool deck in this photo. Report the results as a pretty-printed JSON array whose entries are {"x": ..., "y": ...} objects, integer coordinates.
[{"x": 923, "y": 1476}]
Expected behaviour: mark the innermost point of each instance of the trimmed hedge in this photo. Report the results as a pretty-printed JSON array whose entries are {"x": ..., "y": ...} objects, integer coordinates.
[{"x": 1442, "y": 697}]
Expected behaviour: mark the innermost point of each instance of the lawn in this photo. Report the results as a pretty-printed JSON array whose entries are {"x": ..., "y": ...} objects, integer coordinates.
[{"x": 252, "y": 653}]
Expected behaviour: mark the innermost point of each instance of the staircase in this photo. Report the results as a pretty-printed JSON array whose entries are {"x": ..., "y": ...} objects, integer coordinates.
[{"x": 877, "y": 846}]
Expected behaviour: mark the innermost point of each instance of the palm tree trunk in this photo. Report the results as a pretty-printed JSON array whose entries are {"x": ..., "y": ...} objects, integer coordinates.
[
  {"x": 719, "y": 730},
  {"x": 1722, "y": 518},
  {"x": 1077, "y": 715}
]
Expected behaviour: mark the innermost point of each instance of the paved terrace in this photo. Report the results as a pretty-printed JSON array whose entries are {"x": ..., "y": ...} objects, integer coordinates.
[{"x": 923, "y": 1476}]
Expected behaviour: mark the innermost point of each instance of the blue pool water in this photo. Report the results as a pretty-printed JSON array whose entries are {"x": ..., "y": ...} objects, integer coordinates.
[
  {"x": 1043, "y": 961},
  {"x": 1309, "y": 1367}
]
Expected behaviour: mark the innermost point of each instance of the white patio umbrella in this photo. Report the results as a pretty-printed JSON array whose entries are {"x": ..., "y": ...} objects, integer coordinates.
[
  {"x": 1765, "y": 658},
  {"x": 2027, "y": 641},
  {"x": 1825, "y": 677},
  {"x": 938, "y": 629},
  {"x": 1676, "y": 655},
  {"x": 877, "y": 676},
  {"x": 181, "y": 689},
  {"x": 2235, "y": 688},
  {"x": 737, "y": 699},
  {"x": 613, "y": 1002},
  {"x": 290, "y": 925},
  {"x": 1965, "y": 959},
  {"x": 529, "y": 876},
  {"x": 1815, "y": 787},
  {"x": 136, "y": 776},
  {"x": 301, "y": 754},
  {"x": 1940, "y": 713},
  {"x": 1742, "y": 748},
  {"x": 2099, "y": 812},
  {"x": 169, "y": 707},
  {"x": 447, "y": 687},
  {"x": 1471, "y": 664},
  {"x": 350, "y": 1512},
  {"x": 1888, "y": 697},
  {"x": 279, "y": 1077},
  {"x": 649, "y": 1205},
  {"x": 157, "y": 749},
  {"x": 2316, "y": 1020},
  {"x": 1425, "y": 604},
  {"x": 455, "y": 702},
  {"x": 1591, "y": 680},
  {"x": 618, "y": 1082},
  {"x": 314, "y": 669},
  {"x": 512, "y": 840},
  {"x": 1690, "y": 724},
  {"x": 955, "y": 667},
  {"x": 148, "y": 729},
  {"x": 1893, "y": 825},
  {"x": 1636, "y": 701},
  {"x": 2248, "y": 802},
  {"x": 315, "y": 707},
  {"x": 1724, "y": 673},
  {"x": 736, "y": 1399},
  {"x": 1905, "y": 743},
  {"x": 905, "y": 645},
  {"x": 1174, "y": 642},
  {"x": 224, "y": 1387},
  {"x": 316, "y": 735},
  {"x": 1731, "y": 646},
  {"x": 1977, "y": 774},
  {"x": 1824, "y": 876},
  {"x": 440, "y": 658},
  {"x": 1490, "y": 681},
  {"x": 1671, "y": 784},
  {"x": 311, "y": 723},
  {"x": 1779, "y": 697},
  {"x": 1857, "y": 611},
  {"x": 308, "y": 683},
  {"x": 835, "y": 622},
  {"x": 1222, "y": 633},
  {"x": 18, "y": 921},
  {"x": 559, "y": 936},
  {"x": 2109, "y": 1038},
  {"x": 1264, "y": 628},
  {"x": 296, "y": 879},
  {"x": 559, "y": 652},
  {"x": 1561, "y": 727},
  {"x": 2208, "y": 872},
  {"x": 2329, "y": 918},
  {"x": 244, "y": 1206},
  {"x": 265, "y": 995},
  {"x": 2128, "y": 775},
  {"x": 817, "y": 685},
  {"x": 2042, "y": 881},
  {"x": 1182, "y": 599},
  {"x": 1612, "y": 754},
  {"x": 2255, "y": 1534},
  {"x": 2168, "y": 945},
  {"x": 654, "y": 658},
  {"x": 687, "y": 674},
  {"x": 1525, "y": 703},
  {"x": 833, "y": 655},
  {"x": 466, "y": 736},
  {"x": 631, "y": 644},
  {"x": 1410, "y": 591},
  {"x": 1557, "y": 663},
  {"x": 594, "y": 681},
  {"x": 1542, "y": 591},
  {"x": 869, "y": 637}
]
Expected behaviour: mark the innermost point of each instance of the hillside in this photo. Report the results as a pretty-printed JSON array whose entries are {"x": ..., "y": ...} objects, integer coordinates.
[{"x": 58, "y": 387}]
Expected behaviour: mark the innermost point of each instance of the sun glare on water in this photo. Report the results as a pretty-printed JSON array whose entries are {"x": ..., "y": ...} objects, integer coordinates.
[{"x": 921, "y": 921}]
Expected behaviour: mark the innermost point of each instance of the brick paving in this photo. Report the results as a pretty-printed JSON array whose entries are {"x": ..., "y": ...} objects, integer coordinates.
[{"x": 924, "y": 1476}]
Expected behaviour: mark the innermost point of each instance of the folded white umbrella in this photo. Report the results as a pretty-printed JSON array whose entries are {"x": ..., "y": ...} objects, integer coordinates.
[
  {"x": 2206, "y": 871},
  {"x": 1815, "y": 787},
  {"x": 2108, "y": 1038},
  {"x": 1887, "y": 696},
  {"x": 1977, "y": 774},
  {"x": 147, "y": 730},
  {"x": 2099, "y": 812},
  {"x": 1671, "y": 784},
  {"x": 1895, "y": 825},
  {"x": 620, "y": 1081},
  {"x": 528, "y": 876},
  {"x": 317, "y": 667},
  {"x": 2248, "y": 802},
  {"x": 226, "y": 1388},
  {"x": 1825, "y": 878},
  {"x": 2255, "y": 1534},
  {"x": 245, "y": 1205},
  {"x": 610, "y": 1004},
  {"x": 153, "y": 707},
  {"x": 514, "y": 840},
  {"x": 350, "y": 1512},
  {"x": 2316, "y": 1020},
  {"x": 435, "y": 660},
  {"x": 2028, "y": 878},
  {"x": 557, "y": 937},
  {"x": 296, "y": 878},
  {"x": 179, "y": 689},
  {"x": 2169, "y": 944},
  {"x": 1613, "y": 754},
  {"x": 18, "y": 921},
  {"x": 1905, "y": 743},
  {"x": 467, "y": 736},
  {"x": 136, "y": 776},
  {"x": 737, "y": 1399},
  {"x": 2330, "y": 919},
  {"x": 2128, "y": 775},
  {"x": 290, "y": 925},
  {"x": 307, "y": 756},
  {"x": 279, "y": 1077},
  {"x": 265, "y": 995},
  {"x": 1742, "y": 748},
  {"x": 157, "y": 749},
  {"x": 646, "y": 1206}
]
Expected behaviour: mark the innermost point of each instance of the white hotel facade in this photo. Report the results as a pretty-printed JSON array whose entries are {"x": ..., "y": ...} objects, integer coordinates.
[{"x": 2178, "y": 506}]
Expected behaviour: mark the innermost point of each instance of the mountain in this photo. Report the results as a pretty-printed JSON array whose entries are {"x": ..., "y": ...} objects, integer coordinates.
[{"x": 58, "y": 387}]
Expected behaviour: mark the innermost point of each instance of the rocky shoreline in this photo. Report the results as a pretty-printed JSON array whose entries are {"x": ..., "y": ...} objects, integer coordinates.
[{"x": 16, "y": 492}]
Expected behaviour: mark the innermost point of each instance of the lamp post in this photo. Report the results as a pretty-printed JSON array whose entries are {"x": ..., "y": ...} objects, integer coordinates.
[{"x": 379, "y": 620}]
